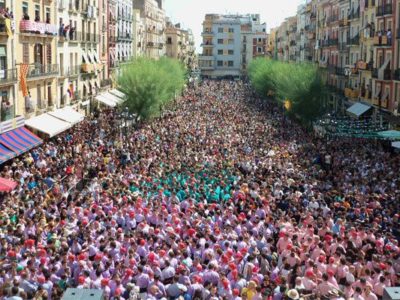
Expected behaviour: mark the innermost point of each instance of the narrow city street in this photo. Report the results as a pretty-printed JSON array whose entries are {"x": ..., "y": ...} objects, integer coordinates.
[{"x": 220, "y": 197}]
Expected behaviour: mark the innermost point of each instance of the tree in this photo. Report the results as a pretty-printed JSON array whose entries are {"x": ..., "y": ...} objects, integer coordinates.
[
  {"x": 300, "y": 83},
  {"x": 150, "y": 84}
]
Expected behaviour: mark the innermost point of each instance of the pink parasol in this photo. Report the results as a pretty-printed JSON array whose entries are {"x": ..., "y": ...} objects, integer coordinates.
[{"x": 7, "y": 185}]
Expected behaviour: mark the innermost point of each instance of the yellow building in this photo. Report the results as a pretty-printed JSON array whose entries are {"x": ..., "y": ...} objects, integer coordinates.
[
  {"x": 35, "y": 55},
  {"x": 8, "y": 72}
]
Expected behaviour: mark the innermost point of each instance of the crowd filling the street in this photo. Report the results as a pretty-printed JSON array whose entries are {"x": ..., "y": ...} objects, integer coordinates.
[{"x": 222, "y": 197}]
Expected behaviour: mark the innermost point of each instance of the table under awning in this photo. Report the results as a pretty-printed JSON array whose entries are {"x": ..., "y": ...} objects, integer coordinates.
[
  {"x": 19, "y": 140},
  {"x": 358, "y": 109},
  {"x": 68, "y": 114},
  {"x": 48, "y": 124},
  {"x": 105, "y": 100}
]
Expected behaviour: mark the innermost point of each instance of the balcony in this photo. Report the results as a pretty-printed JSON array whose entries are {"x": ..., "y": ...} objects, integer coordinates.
[
  {"x": 339, "y": 71},
  {"x": 70, "y": 36},
  {"x": 87, "y": 68},
  {"x": 90, "y": 11},
  {"x": 382, "y": 41},
  {"x": 37, "y": 71},
  {"x": 384, "y": 10},
  {"x": 354, "y": 14},
  {"x": 207, "y": 44},
  {"x": 355, "y": 41},
  {"x": 92, "y": 38},
  {"x": 8, "y": 76},
  {"x": 343, "y": 23},
  {"x": 72, "y": 71},
  {"x": 382, "y": 75},
  {"x": 396, "y": 75},
  {"x": 28, "y": 27},
  {"x": 207, "y": 33},
  {"x": 73, "y": 6},
  {"x": 351, "y": 93},
  {"x": 105, "y": 82},
  {"x": 124, "y": 37}
]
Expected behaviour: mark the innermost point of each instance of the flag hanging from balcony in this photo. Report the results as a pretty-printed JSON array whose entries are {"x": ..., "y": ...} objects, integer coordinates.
[
  {"x": 23, "y": 72},
  {"x": 7, "y": 23},
  {"x": 71, "y": 91}
]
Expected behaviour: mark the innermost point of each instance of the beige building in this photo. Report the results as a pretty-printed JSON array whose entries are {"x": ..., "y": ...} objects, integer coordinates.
[
  {"x": 180, "y": 44},
  {"x": 36, "y": 35},
  {"x": 8, "y": 70},
  {"x": 152, "y": 14}
]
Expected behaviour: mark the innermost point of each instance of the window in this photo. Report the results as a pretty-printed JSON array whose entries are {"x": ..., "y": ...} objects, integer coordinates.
[
  {"x": 259, "y": 40},
  {"x": 220, "y": 51},
  {"x": 230, "y": 63},
  {"x": 25, "y": 8},
  {"x": 3, "y": 60},
  {"x": 230, "y": 41},
  {"x": 231, "y": 30},
  {"x": 259, "y": 49},
  {"x": 25, "y": 53},
  {"x": 220, "y": 30},
  {"x": 220, "y": 41},
  {"x": 48, "y": 15},
  {"x": 2, "y": 4},
  {"x": 220, "y": 63},
  {"x": 169, "y": 41},
  {"x": 37, "y": 13},
  {"x": 48, "y": 54},
  {"x": 230, "y": 52}
]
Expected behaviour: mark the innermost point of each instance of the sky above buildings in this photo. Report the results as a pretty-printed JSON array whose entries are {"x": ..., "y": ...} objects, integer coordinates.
[{"x": 190, "y": 13}]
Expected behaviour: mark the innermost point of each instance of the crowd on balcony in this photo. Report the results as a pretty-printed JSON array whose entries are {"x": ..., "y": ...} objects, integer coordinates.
[
  {"x": 223, "y": 197},
  {"x": 67, "y": 32},
  {"x": 6, "y": 13},
  {"x": 387, "y": 34}
]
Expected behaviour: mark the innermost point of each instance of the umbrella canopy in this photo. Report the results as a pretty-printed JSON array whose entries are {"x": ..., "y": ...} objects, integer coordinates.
[{"x": 7, "y": 185}]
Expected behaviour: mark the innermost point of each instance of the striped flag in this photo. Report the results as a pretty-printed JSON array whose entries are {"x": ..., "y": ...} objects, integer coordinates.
[{"x": 23, "y": 72}]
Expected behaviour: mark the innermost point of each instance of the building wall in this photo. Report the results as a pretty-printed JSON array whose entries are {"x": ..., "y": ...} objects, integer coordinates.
[
  {"x": 8, "y": 74},
  {"x": 39, "y": 51}
]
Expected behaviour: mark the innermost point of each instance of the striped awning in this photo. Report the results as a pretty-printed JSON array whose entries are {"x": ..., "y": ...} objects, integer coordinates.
[
  {"x": 19, "y": 140},
  {"x": 6, "y": 154}
]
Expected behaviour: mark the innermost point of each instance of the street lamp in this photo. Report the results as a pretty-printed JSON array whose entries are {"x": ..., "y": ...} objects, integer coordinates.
[{"x": 125, "y": 119}]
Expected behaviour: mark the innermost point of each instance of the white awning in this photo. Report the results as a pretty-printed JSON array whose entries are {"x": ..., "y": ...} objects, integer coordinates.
[
  {"x": 358, "y": 109},
  {"x": 90, "y": 55},
  {"x": 105, "y": 100},
  {"x": 68, "y": 114},
  {"x": 96, "y": 57},
  {"x": 118, "y": 93},
  {"x": 85, "y": 58},
  {"x": 113, "y": 98},
  {"x": 396, "y": 145},
  {"x": 48, "y": 124}
]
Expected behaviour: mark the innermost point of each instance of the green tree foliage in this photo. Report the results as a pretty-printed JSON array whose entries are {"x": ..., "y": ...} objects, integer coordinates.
[
  {"x": 300, "y": 83},
  {"x": 150, "y": 84}
]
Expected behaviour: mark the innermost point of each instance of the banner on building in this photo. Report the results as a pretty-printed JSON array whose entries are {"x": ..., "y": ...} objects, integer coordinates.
[{"x": 23, "y": 72}]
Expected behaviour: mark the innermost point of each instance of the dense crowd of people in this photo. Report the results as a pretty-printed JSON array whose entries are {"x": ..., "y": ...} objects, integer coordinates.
[{"x": 223, "y": 197}]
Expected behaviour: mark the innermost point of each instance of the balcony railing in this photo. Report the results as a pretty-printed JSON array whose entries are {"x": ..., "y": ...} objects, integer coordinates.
[
  {"x": 354, "y": 14},
  {"x": 354, "y": 41},
  {"x": 31, "y": 27},
  {"x": 384, "y": 10},
  {"x": 39, "y": 70},
  {"x": 92, "y": 38},
  {"x": 387, "y": 74},
  {"x": 69, "y": 36},
  {"x": 8, "y": 76},
  {"x": 382, "y": 41},
  {"x": 72, "y": 71},
  {"x": 339, "y": 71}
]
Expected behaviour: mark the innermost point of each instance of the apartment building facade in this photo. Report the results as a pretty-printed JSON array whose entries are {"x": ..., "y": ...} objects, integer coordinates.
[
  {"x": 152, "y": 16},
  {"x": 355, "y": 43},
  {"x": 230, "y": 42},
  {"x": 8, "y": 68}
]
